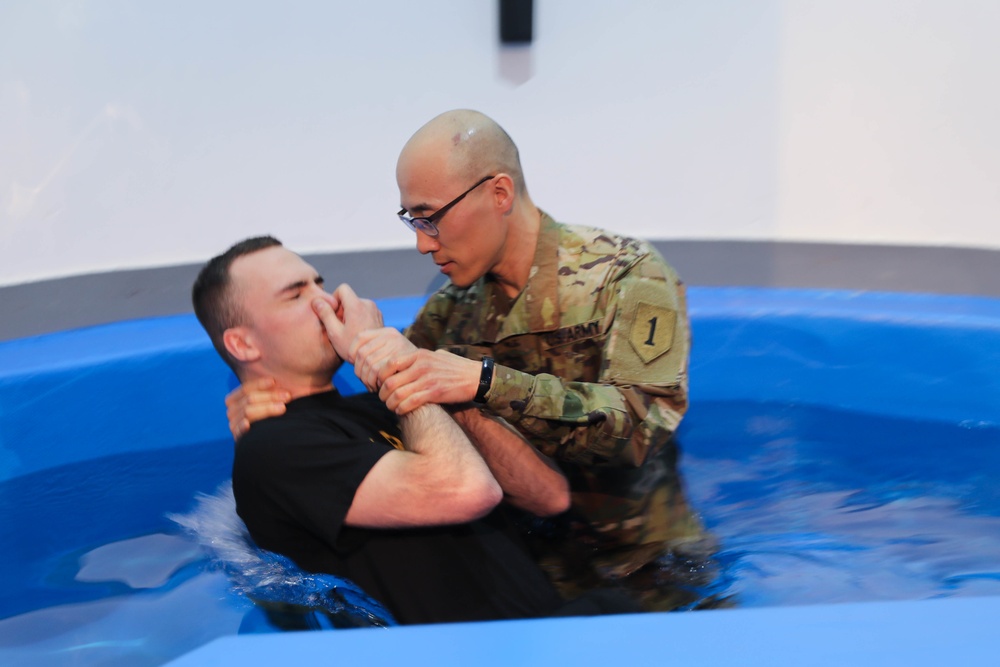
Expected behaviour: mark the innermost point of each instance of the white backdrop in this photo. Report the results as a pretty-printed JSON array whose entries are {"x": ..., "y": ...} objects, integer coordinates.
[{"x": 139, "y": 134}]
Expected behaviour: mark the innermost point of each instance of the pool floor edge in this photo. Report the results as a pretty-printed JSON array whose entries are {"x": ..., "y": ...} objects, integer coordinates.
[{"x": 928, "y": 632}]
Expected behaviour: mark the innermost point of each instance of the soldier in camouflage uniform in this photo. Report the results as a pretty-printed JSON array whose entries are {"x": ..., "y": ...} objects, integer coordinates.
[
  {"x": 592, "y": 369},
  {"x": 589, "y": 338}
]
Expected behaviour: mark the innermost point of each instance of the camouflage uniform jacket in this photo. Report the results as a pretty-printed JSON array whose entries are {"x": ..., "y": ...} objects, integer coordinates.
[{"x": 591, "y": 367}]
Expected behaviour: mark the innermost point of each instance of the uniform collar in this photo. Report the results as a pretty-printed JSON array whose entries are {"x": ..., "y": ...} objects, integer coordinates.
[{"x": 536, "y": 308}]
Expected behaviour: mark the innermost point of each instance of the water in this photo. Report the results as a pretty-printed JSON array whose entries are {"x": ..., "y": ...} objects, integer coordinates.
[
  {"x": 810, "y": 505},
  {"x": 295, "y": 599},
  {"x": 94, "y": 571},
  {"x": 813, "y": 505}
]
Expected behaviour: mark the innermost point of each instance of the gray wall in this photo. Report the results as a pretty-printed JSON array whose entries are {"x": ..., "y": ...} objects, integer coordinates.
[{"x": 66, "y": 303}]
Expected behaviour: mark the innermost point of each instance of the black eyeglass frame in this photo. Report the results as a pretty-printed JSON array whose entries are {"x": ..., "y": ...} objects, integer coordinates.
[{"x": 428, "y": 223}]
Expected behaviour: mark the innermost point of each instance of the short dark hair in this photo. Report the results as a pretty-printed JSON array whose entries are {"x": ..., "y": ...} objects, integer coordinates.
[{"x": 216, "y": 304}]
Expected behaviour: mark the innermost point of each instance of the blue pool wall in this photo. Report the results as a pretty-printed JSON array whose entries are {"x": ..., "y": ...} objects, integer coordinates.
[{"x": 156, "y": 383}]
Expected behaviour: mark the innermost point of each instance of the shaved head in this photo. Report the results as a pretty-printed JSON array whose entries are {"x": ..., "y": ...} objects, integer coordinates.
[
  {"x": 490, "y": 230},
  {"x": 467, "y": 145}
]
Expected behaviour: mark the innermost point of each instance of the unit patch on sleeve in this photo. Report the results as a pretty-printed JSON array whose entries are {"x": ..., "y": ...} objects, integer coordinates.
[{"x": 652, "y": 330}]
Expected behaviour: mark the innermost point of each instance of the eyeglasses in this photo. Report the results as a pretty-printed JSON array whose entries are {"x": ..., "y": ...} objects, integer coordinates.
[{"x": 428, "y": 224}]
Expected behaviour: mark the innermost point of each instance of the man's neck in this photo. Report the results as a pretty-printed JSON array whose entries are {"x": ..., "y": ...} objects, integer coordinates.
[
  {"x": 514, "y": 269},
  {"x": 310, "y": 389},
  {"x": 298, "y": 387}
]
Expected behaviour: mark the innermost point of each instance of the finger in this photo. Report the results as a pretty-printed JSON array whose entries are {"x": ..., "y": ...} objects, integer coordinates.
[
  {"x": 399, "y": 364},
  {"x": 364, "y": 372},
  {"x": 370, "y": 346},
  {"x": 358, "y": 312},
  {"x": 334, "y": 327},
  {"x": 401, "y": 385},
  {"x": 276, "y": 395},
  {"x": 346, "y": 296},
  {"x": 259, "y": 384},
  {"x": 338, "y": 307},
  {"x": 234, "y": 411},
  {"x": 252, "y": 390},
  {"x": 236, "y": 424},
  {"x": 233, "y": 407},
  {"x": 387, "y": 368},
  {"x": 410, "y": 403},
  {"x": 258, "y": 391},
  {"x": 389, "y": 397},
  {"x": 235, "y": 397},
  {"x": 379, "y": 355},
  {"x": 355, "y": 347},
  {"x": 327, "y": 315},
  {"x": 240, "y": 421},
  {"x": 255, "y": 413},
  {"x": 371, "y": 340},
  {"x": 394, "y": 382},
  {"x": 378, "y": 363},
  {"x": 407, "y": 371},
  {"x": 255, "y": 385}
]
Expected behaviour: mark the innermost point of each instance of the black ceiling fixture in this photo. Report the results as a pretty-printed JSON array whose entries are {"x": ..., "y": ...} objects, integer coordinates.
[{"x": 516, "y": 21}]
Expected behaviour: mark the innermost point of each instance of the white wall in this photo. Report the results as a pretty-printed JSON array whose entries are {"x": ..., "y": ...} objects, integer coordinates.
[{"x": 142, "y": 134}]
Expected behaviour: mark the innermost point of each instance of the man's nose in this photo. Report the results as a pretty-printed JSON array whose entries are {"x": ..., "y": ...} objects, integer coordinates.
[
  {"x": 426, "y": 244},
  {"x": 317, "y": 290}
]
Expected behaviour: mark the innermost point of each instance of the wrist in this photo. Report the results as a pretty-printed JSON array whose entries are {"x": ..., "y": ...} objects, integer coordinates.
[{"x": 485, "y": 380}]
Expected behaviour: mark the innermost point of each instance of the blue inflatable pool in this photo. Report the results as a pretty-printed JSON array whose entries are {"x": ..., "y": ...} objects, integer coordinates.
[{"x": 845, "y": 448}]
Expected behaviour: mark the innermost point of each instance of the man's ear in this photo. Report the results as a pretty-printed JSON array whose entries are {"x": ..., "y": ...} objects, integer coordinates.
[
  {"x": 239, "y": 343},
  {"x": 503, "y": 192}
]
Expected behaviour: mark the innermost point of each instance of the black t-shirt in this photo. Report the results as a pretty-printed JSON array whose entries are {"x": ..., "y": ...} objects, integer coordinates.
[{"x": 294, "y": 478}]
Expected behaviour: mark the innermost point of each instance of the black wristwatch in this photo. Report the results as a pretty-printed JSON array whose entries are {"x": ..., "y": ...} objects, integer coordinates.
[{"x": 485, "y": 380}]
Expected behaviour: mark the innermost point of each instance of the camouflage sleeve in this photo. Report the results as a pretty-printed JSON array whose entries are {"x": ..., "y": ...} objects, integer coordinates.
[
  {"x": 642, "y": 390},
  {"x": 428, "y": 327}
]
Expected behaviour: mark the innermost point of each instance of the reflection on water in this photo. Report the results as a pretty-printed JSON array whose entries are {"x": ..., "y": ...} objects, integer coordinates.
[
  {"x": 812, "y": 507},
  {"x": 143, "y": 562},
  {"x": 139, "y": 626},
  {"x": 823, "y": 548}
]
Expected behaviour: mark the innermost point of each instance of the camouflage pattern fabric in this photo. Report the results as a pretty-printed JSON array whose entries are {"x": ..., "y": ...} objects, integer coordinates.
[{"x": 591, "y": 367}]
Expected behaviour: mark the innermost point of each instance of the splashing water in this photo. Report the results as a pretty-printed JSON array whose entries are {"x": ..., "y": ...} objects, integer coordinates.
[{"x": 290, "y": 597}]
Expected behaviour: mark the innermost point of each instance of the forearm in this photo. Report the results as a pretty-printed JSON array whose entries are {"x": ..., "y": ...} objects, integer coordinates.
[
  {"x": 438, "y": 478},
  {"x": 529, "y": 479},
  {"x": 448, "y": 457}
]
